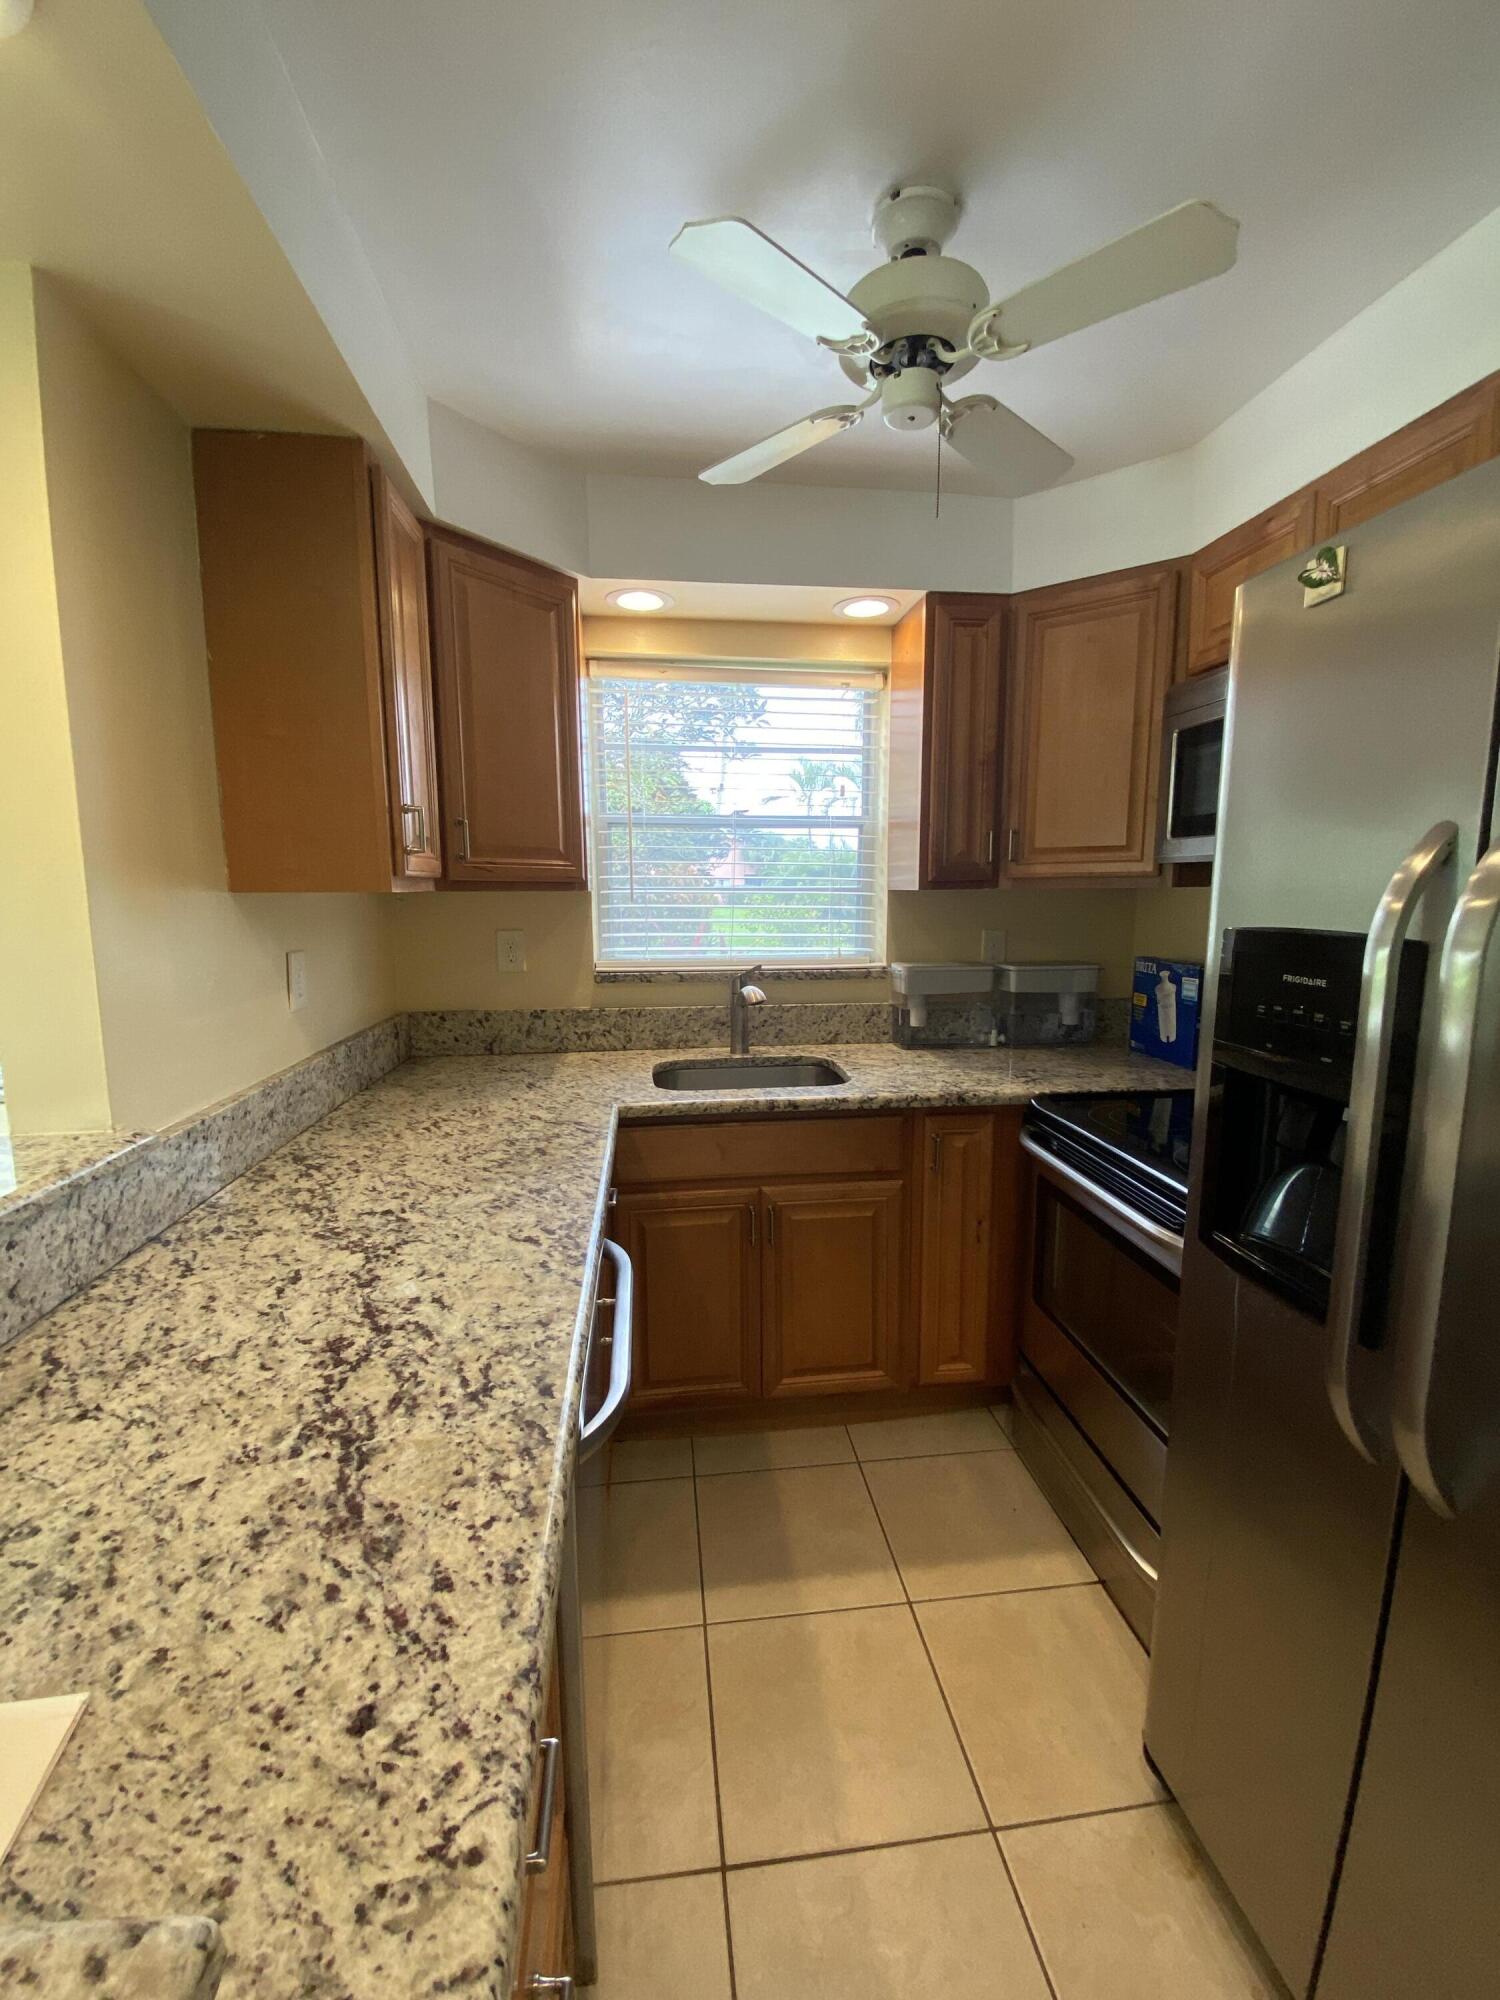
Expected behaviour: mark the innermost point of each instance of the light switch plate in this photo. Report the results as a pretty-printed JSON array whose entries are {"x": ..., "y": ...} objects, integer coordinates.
[
  {"x": 510, "y": 951},
  {"x": 296, "y": 980},
  {"x": 992, "y": 947}
]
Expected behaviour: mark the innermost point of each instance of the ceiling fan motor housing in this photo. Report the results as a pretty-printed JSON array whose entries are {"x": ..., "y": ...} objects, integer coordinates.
[
  {"x": 910, "y": 400},
  {"x": 929, "y": 297}
]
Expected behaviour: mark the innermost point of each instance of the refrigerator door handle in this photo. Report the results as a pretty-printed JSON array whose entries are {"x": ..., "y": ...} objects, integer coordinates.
[
  {"x": 1450, "y": 1462},
  {"x": 1367, "y": 1097}
]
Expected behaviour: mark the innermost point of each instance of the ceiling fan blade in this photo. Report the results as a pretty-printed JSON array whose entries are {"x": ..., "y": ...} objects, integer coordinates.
[
  {"x": 744, "y": 260},
  {"x": 1181, "y": 248},
  {"x": 1013, "y": 457},
  {"x": 782, "y": 445}
]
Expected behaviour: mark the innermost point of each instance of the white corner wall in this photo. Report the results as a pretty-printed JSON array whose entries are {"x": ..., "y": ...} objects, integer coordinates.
[
  {"x": 776, "y": 533},
  {"x": 225, "y": 50},
  {"x": 507, "y": 492},
  {"x": 1426, "y": 339}
]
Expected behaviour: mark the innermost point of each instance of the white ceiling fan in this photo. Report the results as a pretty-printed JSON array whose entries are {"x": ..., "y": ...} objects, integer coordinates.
[{"x": 920, "y": 321}]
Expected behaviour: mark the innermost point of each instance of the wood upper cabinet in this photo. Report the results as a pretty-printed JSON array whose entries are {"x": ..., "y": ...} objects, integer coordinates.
[
  {"x": 833, "y": 1286},
  {"x": 406, "y": 677},
  {"x": 955, "y": 1163},
  {"x": 1216, "y": 573},
  {"x": 318, "y": 664},
  {"x": 1089, "y": 665},
  {"x": 506, "y": 658},
  {"x": 1451, "y": 439},
  {"x": 697, "y": 1293},
  {"x": 947, "y": 710}
]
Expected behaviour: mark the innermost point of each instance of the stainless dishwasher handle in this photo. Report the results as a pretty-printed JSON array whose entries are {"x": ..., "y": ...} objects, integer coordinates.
[
  {"x": 541, "y": 1854},
  {"x": 1156, "y": 1241},
  {"x": 596, "y": 1433},
  {"x": 1379, "y": 989}
]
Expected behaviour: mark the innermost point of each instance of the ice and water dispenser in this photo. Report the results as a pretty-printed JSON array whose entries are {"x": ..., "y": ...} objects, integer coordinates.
[{"x": 1286, "y": 1026}]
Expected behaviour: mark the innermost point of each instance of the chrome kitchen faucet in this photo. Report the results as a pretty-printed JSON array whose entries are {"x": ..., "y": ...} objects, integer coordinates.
[{"x": 744, "y": 994}]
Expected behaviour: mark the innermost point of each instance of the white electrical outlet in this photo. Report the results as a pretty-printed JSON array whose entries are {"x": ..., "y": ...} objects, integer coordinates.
[
  {"x": 296, "y": 980},
  {"x": 510, "y": 951},
  {"x": 992, "y": 947}
]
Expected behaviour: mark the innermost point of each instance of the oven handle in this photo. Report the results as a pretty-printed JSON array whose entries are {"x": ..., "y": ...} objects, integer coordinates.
[
  {"x": 600, "y": 1428},
  {"x": 1163, "y": 1245}
]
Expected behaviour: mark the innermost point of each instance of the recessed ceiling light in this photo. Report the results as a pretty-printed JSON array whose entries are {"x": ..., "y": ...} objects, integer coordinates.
[
  {"x": 639, "y": 600},
  {"x": 865, "y": 607}
]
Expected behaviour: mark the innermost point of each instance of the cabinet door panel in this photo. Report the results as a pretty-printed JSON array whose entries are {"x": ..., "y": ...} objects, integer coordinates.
[
  {"x": 1090, "y": 664},
  {"x": 406, "y": 674},
  {"x": 956, "y": 1273},
  {"x": 832, "y": 1287},
  {"x": 961, "y": 802},
  {"x": 1451, "y": 439},
  {"x": 697, "y": 1293},
  {"x": 1216, "y": 573},
  {"x": 506, "y": 642}
]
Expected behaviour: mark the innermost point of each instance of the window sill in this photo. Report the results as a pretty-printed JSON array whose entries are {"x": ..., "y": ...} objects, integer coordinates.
[{"x": 714, "y": 975}]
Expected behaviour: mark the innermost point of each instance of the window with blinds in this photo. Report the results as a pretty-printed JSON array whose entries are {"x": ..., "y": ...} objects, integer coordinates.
[{"x": 736, "y": 813}]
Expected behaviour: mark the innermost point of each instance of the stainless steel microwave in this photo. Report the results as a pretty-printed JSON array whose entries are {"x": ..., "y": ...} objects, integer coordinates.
[{"x": 1192, "y": 754}]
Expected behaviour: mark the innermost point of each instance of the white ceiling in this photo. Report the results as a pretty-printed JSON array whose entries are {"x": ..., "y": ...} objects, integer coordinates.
[{"x": 516, "y": 174}]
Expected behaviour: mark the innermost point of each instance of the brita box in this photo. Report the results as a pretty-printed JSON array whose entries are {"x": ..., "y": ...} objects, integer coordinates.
[{"x": 1164, "y": 1007}]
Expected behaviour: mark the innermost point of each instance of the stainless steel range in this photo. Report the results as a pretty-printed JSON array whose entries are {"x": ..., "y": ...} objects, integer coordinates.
[{"x": 1107, "y": 1202}]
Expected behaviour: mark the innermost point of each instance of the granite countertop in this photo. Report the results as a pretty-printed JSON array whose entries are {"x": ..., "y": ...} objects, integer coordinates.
[
  {"x": 171, "y": 1958},
  {"x": 284, "y": 1491},
  {"x": 39, "y": 1159}
]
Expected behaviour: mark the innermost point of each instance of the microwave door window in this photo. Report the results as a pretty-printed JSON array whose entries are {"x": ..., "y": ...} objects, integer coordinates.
[{"x": 1197, "y": 751}]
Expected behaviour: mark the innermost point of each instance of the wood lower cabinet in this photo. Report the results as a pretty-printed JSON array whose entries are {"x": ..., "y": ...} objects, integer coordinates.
[
  {"x": 956, "y": 1241},
  {"x": 1453, "y": 438},
  {"x": 1090, "y": 663},
  {"x": 315, "y": 614},
  {"x": 696, "y": 1253},
  {"x": 1215, "y": 574},
  {"x": 886, "y": 1263},
  {"x": 947, "y": 712},
  {"x": 506, "y": 663},
  {"x": 832, "y": 1287}
]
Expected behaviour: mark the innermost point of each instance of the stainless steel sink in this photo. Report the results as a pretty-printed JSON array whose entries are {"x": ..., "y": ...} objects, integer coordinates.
[{"x": 748, "y": 1073}]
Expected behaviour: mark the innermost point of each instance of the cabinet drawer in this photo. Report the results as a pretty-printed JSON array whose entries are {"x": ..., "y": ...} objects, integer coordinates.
[{"x": 768, "y": 1149}]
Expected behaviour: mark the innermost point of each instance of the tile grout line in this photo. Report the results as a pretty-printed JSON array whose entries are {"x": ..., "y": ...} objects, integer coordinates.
[
  {"x": 963, "y": 1750},
  {"x": 837, "y": 1610},
  {"x": 986, "y": 1832},
  {"x": 713, "y": 1735}
]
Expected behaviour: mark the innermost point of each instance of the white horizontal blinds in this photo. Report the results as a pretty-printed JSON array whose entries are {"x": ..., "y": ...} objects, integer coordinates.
[{"x": 736, "y": 813}]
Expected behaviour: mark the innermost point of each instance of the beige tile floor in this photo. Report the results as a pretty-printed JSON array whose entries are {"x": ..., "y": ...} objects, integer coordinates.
[{"x": 862, "y": 1724}]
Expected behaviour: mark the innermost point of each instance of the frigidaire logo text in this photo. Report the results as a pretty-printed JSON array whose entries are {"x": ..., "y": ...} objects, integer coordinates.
[{"x": 1302, "y": 979}]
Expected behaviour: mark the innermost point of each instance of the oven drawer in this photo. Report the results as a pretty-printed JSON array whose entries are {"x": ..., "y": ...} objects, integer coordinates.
[{"x": 1118, "y": 1432}]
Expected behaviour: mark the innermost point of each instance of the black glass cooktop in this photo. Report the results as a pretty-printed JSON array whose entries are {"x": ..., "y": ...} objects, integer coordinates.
[{"x": 1136, "y": 1144}]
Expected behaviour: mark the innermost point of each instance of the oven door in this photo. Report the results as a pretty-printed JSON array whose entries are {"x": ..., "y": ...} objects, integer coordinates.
[
  {"x": 1192, "y": 757},
  {"x": 1100, "y": 1324}
]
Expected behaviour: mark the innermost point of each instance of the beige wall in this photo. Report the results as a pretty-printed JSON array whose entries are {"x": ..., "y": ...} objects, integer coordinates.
[
  {"x": 444, "y": 945},
  {"x": 1171, "y": 923},
  {"x": 51, "y": 1050},
  {"x": 191, "y": 981}
]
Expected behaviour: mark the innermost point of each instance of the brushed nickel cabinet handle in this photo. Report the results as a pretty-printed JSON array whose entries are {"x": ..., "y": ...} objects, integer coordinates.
[
  {"x": 754, "y": 1229},
  {"x": 551, "y": 1982},
  {"x": 463, "y": 835},
  {"x": 990, "y": 846},
  {"x": 937, "y": 1147},
  {"x": 1013, "y": 844},
  {"x": 541, "y": 1854}
]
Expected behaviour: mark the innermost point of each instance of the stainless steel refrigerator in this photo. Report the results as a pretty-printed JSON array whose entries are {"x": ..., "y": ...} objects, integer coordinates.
[{"x": 1325, "y": 1676}]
